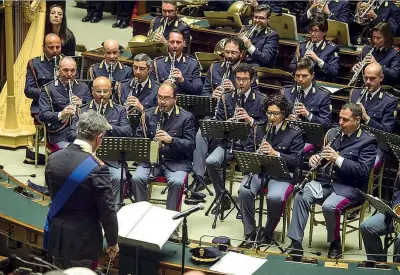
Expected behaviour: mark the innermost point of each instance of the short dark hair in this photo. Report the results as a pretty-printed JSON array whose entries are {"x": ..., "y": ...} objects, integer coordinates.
[
  {"x": 171, "y": 85},
  {"x": 280, "y": 101},
  {"x": 386, "y": 31},
  {"x": 355, "y": 109},
  {"x": 265, "y": 8},
  {"x": 172, "y": 2},
  {"x": 305, "y": 63},
  {"x": 178, "y": 32},
  {"x": 237, "y": 41},
  {"x": 245, "y": 68},
  {"x": 319, "y": 20}
]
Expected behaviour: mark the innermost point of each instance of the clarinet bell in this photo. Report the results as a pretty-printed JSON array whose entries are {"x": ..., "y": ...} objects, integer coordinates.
[{"x": 247, "y": 185}]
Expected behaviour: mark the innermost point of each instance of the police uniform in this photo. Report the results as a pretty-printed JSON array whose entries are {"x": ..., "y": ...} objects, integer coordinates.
[
  {"x": 175, "y": 159},
  {"x": 378, "y": 225},
  {"x": 255, "y": 107},
  {"x": 178, "y": 24},
  {"x": 317, "y": 102},
  {"x": 336, "y": 184},
  {"x": 288, "y": 141},
  {"x": 75, "y": 235},
  {"x": 147, "y": 95},
  {"x": 389, "y": 59},
  {"x": 53, "y": 99},
  {"x": 190, "y": 68},
  {"x": 381, "y": 108},
  {"x": 328, "y": 52},
  {"x": 266, "y": 44},
  {"x": 121, "y": 71},
  {"x": 39, "y": 72},
  {"x": 340, "y": 11},
  {"x": 214, "y": 78},
  {"x": 116, "y": 117}
]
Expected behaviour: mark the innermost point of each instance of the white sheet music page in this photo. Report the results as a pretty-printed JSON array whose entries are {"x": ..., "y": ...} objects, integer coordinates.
[{"x": 238, "y": 264}]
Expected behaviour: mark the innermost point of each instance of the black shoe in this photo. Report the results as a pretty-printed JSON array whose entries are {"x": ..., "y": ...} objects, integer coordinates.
[
  {"x": 295, "y": 248},
  {"x": 225, "y": 205},
  {"x": 95, "y": 20},
  {"x": 117, "y": 24},
  {"x": 248, "y": 242},
  {"x": 87, "y": 18},
  {"x": 193, "y": 185},
  {"x": 335, "y": 250},
  {"x": 352, "y": 215},
  {"x": 124, "y": 24}
]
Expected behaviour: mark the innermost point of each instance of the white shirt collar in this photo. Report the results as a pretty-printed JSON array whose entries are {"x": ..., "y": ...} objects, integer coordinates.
[
  {"x": 144, "y": 82},
  {"x": 84, "y": 144},
  {"x": 108, "y": 66},
  {"x": 318, "y": 43},
  {"x": 306, "y": 90},
  {"x": 98, "y": 105},
  {"x": 246, "y": 94},
  {"x": 373, "y": 94},
  {"x": 170, "y": 112},
  {"x": 177, "y": 59},
  {"x": 278, "y": 126}
]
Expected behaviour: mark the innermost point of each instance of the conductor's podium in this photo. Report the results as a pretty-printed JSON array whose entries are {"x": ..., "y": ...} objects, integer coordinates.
[{"x": 22, "y": 220}]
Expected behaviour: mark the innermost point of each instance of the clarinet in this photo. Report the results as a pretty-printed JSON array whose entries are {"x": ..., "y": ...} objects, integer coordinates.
[
  {"x": 362, "y": 95},
  {"x": 225, "y": 76},
  {"x": 158, "y": 128},
  {"x": 55, "y": 71},
  {"x": 238, "y": 105},
  {"x": 130, "y": 109}
]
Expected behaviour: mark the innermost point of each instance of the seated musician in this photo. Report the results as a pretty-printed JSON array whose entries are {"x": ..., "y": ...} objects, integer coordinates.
[
  {"x": 110, "y": 67},
  {"x": 139, "y": 92},
  {"x": 118, "y": 124},
  {"x": 161, "y": 26},
  {"x": 178, "y": 68},
  {"x": 250, "y": 108},
  {"x": 324, "y": 54},
  {"x": 379, "y": 225},
  {"x": 40, "y": 71},
  {"x": 345, "y": 167},
  {"x": 59, "y": 101},
  {"x": 176, "y": 137},
  {"x": 261, "y": 41},
  {"x": 283, "y": 140},
  {"x": 313, "y": 103},
  {"x": 333, "y": 10},
  {"x": 383, "y": 52}
]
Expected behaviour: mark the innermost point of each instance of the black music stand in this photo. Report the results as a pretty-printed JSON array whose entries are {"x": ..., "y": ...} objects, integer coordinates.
[
  {"x": 395, "y": 150},
  {"x": 313, "y": 132},
  {"x": 224, "y": 130},
  {"x": 265, "y": 166},
  {"x": 123, "y": 149}
]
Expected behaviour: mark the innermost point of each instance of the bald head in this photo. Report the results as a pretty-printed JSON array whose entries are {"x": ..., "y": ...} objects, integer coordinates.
[
  {"x": 101, "y": 89},
  {"x": 194, "y": 272},
  {"x": 101, "y": 81},
  {"x": 111, "y": 50},
  {"x": 375, "y": 68},
  {"x": 52, "y": 45},
  {"x": 373, "y": 77}
]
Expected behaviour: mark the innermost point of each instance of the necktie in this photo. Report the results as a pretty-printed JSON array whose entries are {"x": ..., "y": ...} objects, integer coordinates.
[
  {"x": 139, "y": 89},
  {"x": 272, "y": 133},
  {"x": 166, "y": 117},
  {"x": 369, "y": 97},
  {"x": 344, "y": 138},
  {"x": 301, "y": 96},
  {"x": 103, "y": 109},
  {"x": 314, "y": 47}
]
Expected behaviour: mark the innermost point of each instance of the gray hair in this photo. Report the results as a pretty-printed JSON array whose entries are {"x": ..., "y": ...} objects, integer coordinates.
[
  {"x": 90, "y": 125},
  {"x": 143, "y": 57},
  {"x": 67, "y": 58}
]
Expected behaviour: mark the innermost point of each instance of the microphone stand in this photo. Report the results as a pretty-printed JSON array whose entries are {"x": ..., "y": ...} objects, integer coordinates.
[{"x": 184, "y": 241}]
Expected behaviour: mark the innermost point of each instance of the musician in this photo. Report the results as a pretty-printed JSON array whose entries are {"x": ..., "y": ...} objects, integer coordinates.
[
  {"x": 169, "y": 13},
  {"x": 251, "y": 112},
  {"x": 333, "y": 10},
  {"x": 59, "y": 101},
  {"x": 117, "y": 122},
  {"x": 40, "y": 71},
  {"x": 383, "y": 52},
  {"x": 234, "y": 51},
  {"x": 75, "y": 233},
  {"x": 176, "y": 137},
  {"x": 186, "y": 69},
  {"x": 110, "y": 67},
  {"x": 315, "y": 103},
  {"x": 283, "y": 140},
  {"x": 324, "y": 54},
  {"x": 379, "y": 108},
  {"x": 262, "y": 45},
  {"x": 378, "y": 225},
  {"x": 140, "y": 91},
  {"x": 350, "y": 160}
]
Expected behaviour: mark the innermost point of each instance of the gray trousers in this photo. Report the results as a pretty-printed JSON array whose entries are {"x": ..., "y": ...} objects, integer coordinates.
[
  {"x": 214, "y": 165},
  {"x": 200, "y": 154},
  {"x": 332, "y": 207},
  {"x": 278, "y": 192},
  {"x": 371, "y": 230},
  {"x": 115, "y": 174},
  {"x": 140, "y": 181}
]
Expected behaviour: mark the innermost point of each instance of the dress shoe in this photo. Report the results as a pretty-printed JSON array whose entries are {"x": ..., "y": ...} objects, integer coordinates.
[
  {"x": 225, "y": 205},
  {"x": 95, "y": 20},
  {"x": 87, "y": 18},
  {"x": 335, "y": 250},
  {"x": 201, "y": 187},
  {"x": 295, "y": 248},
  {"x": 352, "y": 215},
  {"x": 248, "y": 242},
  {"x": 117, "y": 24},
  {"x": 124, "y": 25}
]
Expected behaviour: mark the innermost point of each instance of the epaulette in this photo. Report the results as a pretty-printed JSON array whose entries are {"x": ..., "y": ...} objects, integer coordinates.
[
  {"x": 330, "y": 43},
  {"x": 185, "y": 111},
  {"x": 288, "y": 86},
  {"x": 48, "y": 83},
  {"x": 268, "y": 30},
  {"x": 99, "y": 161},
  {"x": 391, "y": 95},
  {"x": 322, "y": 89},
  {"x": 368, "y": 133},
  {"x": 183, "y": 22},
  {"x": 191, "y": 57},
  {"x": 158, "y": 57},
  {"x": 151, "y": 110},
  {"x": 95, "y": 64},
  {"x": 123, "y": 81}
]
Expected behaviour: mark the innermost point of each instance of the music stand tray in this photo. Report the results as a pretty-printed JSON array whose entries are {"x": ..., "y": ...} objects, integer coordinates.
[
  {"x": 382, "y": 207},
  {"x": 200, "y": 106},
  {"x": 224, "y": 129},
  {"x": 313, "y": 133},
  {"x": 396, "y": 150},
  {"x": 285, "y": 25},
  {"x": 152, "y": 49},
  {"x": 206, "y": 59},
  {"x": 340, "y": 31},
  {"x": 384, "y": 137},
  {"x": 223, "y": 19}
]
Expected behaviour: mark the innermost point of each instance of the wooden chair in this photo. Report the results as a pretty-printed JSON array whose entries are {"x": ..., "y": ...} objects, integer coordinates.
[{"x": 38, "y": 128}]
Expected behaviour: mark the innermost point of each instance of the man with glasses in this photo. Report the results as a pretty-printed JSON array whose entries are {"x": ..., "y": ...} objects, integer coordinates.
[
  {"x": 184, "y": 71},
  {"x": 176, "y": 145},
  {"x": 283, "y": 140},
  {"x": 138, "y": 93},
  {"x": 324, "y": 54},
  {"x": 262, "y": 44},
  {"x": 169, "y": 13},
  {"x": 117, "y": 125}
]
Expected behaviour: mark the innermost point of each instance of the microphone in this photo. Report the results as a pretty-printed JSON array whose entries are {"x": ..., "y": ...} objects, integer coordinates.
[
  {"x": 15, "y": 257},
  {"x": 38, "y": 259},
  {"x": 31, "y": 175},
  {"x": 186, "y": 213}
]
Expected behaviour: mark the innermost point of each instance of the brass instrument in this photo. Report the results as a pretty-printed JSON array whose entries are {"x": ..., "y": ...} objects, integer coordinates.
[
  {"x": 171, "y": 71},
  {"x": 363, "y": 8},
  {"x": 321, "y": 5},
  {"x": 362, "y": 95},
  {"x": 151, "y": 36},
  {"x": 239, "y": 7},
  {"x": 158, "y": 128},
  {"x": 55, "y": 70},
  {"x": 297, "y": 102},
  {"x": 356, "y": 75},
  {"x": 130, "y": 109},
  {"x": 190, "y": 7}
]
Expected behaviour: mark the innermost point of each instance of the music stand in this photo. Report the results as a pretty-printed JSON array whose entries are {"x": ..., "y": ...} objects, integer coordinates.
[
  {"x": 201, "y": 106},
  {"x": 224, "y": 130},
  {"x": 395, "y": 150},
  {"x": 124, "y": 149},
  {"x": 206, "y": 59},
  {"x": 313, "y": 133},
  {"x": 223, "y": 19},
  {"x": 285, "y": 25},
  {"x": 263, "y": 165},
  {"x": 340, "y": 31},
  {"x": 152, "y": 49}
]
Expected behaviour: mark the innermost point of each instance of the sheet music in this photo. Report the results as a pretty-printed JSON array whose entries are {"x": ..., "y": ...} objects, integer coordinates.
[
  {"x": 238, "y": 264},
  {"x": 331, "y": 89}
]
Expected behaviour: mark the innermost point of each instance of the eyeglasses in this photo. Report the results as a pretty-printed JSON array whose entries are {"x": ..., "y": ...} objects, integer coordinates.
[
  {"x": 165, "y": 99},
  {"x": 169, "y": 11},
  {"x": 244, "y": 79},
  {"x": 273, "y": 113}
]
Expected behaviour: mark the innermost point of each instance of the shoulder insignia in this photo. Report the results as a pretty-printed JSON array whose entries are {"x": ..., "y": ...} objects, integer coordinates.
[
  {"x": 336, "y": 54},
  {"x": 389, "y": 94},
  {"x": 182, "y": 22},
  {"x": 366, "y": 132},
  {"x": 330, "y": 43},
  {"x": 99, "y": 161}
]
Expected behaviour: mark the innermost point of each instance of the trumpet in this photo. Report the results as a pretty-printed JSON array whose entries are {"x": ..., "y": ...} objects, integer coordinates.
[
  {"x": 357, "y": 72},
  {"x": 321, "y": 5},
  {"x": 363, "y": 9},
  {"x": 362, "y": 95},
  {"x": 171, "y": 71},
  {"x": 130, "y": 109},
  {"x": 55, "y": 70},
  {"x": 159, "y": 126},
  {"x": 151, "y": 36}
]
